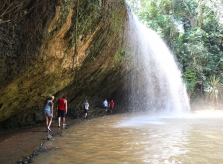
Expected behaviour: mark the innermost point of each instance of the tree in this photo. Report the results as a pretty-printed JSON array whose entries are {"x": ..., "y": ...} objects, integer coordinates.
[
  {"x": 193, "y": 31},
  {"x": 8, "y": 8},
  {"x": 214, "y": 88}
]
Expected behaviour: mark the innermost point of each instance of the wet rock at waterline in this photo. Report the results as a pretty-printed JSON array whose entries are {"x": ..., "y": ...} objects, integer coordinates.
[{"x": 47, "y": 52}]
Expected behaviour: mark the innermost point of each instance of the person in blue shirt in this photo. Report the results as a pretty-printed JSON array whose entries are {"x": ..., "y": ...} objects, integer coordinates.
[{"x": 48, "y": 112}]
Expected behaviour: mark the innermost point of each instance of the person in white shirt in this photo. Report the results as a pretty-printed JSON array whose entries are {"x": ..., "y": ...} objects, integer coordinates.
[
  {"x": 105, "y": 103},
  {"x": 86, "y": 108}
]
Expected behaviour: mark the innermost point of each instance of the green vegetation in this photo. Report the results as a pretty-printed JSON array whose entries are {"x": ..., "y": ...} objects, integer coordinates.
[
  {"x": 213, "y": 88},
  {"x": 119, "y": 55},
  {"x": 193, "y": 30}
]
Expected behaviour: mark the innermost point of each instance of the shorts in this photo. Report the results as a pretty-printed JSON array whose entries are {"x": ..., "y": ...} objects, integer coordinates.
[
  {"x": 47, "y": 113},
  {"x": 61, "y": 113},
  {"x": 85, "y": 111}
]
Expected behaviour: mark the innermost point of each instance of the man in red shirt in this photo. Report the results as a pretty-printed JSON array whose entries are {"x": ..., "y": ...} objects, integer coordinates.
[
  {"x": 62, "y": 110},
  {"x": 112, "y": 105}
]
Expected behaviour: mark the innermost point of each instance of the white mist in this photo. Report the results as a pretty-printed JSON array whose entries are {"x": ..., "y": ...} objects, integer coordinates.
[{"x": 155, "y": 83}]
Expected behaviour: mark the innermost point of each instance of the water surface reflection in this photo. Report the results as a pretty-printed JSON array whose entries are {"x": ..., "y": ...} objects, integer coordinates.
[{"x": 131, "y": 138}]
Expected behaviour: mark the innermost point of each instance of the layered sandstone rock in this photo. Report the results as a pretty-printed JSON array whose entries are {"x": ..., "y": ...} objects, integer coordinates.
[{"x": 59, "y": 47}]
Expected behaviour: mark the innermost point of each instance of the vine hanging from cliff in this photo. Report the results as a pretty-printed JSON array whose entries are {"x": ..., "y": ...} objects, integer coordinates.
[{"x": 76, "y": 34}]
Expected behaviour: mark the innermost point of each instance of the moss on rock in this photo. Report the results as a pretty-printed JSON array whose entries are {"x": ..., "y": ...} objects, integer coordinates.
[{"x": 60, "y": 48}]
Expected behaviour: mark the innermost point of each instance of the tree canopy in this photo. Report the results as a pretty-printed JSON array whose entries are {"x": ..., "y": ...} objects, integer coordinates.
[{"x": 193, "y": 30}]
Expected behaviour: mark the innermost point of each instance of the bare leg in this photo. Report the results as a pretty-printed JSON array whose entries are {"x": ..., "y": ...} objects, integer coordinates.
[
  {"x": 50, "y": 121},
  {"x": 47, "y": 121},
  {"x": 63, "y": 120},
  {"x": 59, "y": 118}
]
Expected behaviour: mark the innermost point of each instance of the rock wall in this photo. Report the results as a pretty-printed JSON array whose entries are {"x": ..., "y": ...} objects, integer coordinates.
[{"x": 59, "y": 47}]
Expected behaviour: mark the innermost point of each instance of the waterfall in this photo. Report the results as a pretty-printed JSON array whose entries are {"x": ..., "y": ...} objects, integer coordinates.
[{"x": 154, "y": 81}]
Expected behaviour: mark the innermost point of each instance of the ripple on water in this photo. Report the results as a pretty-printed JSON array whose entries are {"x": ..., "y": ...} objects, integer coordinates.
[{"x": 106, "y": 140}]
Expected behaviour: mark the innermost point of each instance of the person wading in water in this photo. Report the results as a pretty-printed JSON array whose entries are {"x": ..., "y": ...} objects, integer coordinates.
[
  {"x": 86, "y": 107},
  {"x": 48, "y": 112},
  {"x": 62, "y": 110}
]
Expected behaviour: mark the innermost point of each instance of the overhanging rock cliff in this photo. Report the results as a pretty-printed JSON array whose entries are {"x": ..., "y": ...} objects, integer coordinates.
[{"x": 59, "y": 47}]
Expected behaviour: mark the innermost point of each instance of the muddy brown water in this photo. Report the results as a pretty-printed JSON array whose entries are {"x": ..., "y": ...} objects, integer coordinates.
[
  {"x": 195, "y": 138},
  {"x": 15, "y": 145}
]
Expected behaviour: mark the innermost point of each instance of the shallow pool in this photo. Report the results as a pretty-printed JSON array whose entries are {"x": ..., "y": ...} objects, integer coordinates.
[{"x": 195, "y": 138}]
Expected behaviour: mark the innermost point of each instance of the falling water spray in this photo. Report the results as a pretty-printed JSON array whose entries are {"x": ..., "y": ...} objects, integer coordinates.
[{"x": 154, "y": 80}]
